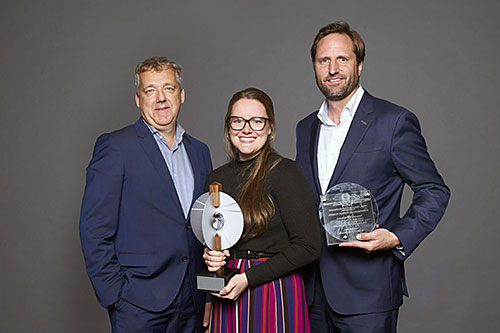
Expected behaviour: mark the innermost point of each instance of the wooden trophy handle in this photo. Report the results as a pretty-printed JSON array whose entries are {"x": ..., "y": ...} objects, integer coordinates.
[
  {"x": 215, "y": 188},
  {"x": 218, "y": 247}
]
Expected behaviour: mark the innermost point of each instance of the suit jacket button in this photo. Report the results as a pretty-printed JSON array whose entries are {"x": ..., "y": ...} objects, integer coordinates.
[
  {"x": 188, "y": 227},
  {"x": 184, "y": 259}
]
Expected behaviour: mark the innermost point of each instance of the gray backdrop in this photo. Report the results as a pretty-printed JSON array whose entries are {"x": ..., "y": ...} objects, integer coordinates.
[{"x": 67, "y": 76}]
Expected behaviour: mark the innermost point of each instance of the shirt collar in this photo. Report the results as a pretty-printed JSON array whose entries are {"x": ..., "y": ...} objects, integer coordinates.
[
  {"x": 179, "y": 133},
  {"x": 348, "y": 111}
]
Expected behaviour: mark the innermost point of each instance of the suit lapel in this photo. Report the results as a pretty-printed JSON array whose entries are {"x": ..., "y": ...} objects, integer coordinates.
[
  {"x": 316, "y": 124},
  {"x": 193, "y": 159},
  {"x": 148, "y": 143},
  {"x": 359, "y": 126}
]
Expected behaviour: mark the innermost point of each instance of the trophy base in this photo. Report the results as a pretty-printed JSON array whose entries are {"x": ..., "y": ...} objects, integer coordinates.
[{"x": 213, "y": 281}]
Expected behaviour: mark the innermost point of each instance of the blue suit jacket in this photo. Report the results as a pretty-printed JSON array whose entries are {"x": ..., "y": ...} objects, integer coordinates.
[
  {"x": 383, "y": 150},
  {"x": 135, "y": 239}
]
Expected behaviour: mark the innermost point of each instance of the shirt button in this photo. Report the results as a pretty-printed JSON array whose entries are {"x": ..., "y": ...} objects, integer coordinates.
[{"x": 184, "y": 258}]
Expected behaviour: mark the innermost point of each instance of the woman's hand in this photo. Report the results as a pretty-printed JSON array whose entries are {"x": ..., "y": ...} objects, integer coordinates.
[
  {"x": 234, "y": 288},
  {"x": 215, "y": 259}
]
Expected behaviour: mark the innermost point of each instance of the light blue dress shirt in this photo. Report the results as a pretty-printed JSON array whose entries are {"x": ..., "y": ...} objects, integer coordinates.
[{"x": 179, "y": 165}]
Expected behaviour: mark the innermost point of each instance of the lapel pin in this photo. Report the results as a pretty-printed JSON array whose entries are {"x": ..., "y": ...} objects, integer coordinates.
[{"x": 364, "y": 122}]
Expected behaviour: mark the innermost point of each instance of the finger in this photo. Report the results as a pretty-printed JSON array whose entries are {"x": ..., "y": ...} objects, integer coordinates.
[
  {"x": 348, "y": 244},
  {"x": 213, "y": 258},
  {"x": 211, "y": 262},
  {"x": 358, "y": 244},
  {"x": 213, "y": 269},
  {"x": 217, "y": 253},
  {"x": 227, "y": 289},
  {"x": 365, "y": 236},
  {"x": 214, "y": 255},
  {"x": 234, "y": 294}
]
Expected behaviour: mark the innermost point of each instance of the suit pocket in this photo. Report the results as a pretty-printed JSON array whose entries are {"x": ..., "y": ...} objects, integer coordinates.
[{"x": 368, "y": 148}]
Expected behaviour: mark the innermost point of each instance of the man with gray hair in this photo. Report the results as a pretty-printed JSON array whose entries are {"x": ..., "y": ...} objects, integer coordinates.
[{"x": 140, "y": 253}]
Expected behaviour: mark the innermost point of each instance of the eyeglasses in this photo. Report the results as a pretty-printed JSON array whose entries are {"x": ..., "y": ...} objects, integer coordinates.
[{"x": 239, "y": 123}]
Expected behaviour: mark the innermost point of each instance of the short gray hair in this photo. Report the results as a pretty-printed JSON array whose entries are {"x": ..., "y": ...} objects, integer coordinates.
[{"x": 157, "y": 64}]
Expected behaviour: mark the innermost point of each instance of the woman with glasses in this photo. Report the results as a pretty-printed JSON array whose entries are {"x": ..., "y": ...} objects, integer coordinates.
[{"x": 281, "y": 232}]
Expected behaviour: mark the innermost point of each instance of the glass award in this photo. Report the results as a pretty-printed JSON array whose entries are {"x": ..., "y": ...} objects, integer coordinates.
[
  {"x": 217, "y": 222},
  {"x": 346, "y": 210}
]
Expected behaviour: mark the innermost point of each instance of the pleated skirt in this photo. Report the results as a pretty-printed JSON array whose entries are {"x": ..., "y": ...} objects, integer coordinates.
[{"x": 274, "y": 307}]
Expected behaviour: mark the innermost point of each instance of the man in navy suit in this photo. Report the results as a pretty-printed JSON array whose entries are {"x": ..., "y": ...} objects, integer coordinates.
[
  {"x": 354, "y": 137},
  {"x": 140, "y": 253}
]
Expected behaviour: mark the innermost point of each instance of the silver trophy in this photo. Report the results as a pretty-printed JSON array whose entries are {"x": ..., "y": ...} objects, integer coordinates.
[
  {"x": 346, "y": 210},
  {"x": 217, "y": 223}
]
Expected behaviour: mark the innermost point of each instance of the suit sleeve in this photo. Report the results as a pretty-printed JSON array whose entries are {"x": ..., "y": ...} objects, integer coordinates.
[
  {"x": 99, "y": 220},
  {"x": 431, "y": 195}
]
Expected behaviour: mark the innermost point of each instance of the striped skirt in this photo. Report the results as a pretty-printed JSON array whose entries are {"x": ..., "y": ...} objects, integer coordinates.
[{"x": 276, "y": 306}]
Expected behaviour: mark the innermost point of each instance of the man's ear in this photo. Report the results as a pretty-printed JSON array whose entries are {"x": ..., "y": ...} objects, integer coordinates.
[
  {"x": 360, "y": 68},
  {"x": 137, "y": 100}
]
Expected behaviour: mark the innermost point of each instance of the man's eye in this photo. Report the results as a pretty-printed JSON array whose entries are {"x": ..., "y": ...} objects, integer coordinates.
[
  {"x": 149, "y": 91},
  {"x": 343, "y": 59},
  {"x": 169, "y": 89},
  {"x": 323, "y": 61}
]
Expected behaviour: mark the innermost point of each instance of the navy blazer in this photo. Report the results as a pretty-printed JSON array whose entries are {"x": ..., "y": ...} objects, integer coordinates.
[
  {"x": 135, "y": 239},
  {"x": 384, "y": 150}
]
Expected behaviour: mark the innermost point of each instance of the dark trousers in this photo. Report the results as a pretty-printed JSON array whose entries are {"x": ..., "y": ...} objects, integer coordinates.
[
  {"x": 323, "y": 319},
  {"x": 180, "y": 316}
]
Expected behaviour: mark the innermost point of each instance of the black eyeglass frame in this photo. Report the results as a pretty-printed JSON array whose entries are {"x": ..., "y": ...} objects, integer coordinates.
[{"x": 247, "y": 121}]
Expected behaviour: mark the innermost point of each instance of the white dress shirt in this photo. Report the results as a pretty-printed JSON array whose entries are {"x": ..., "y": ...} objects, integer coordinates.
[{"x": 332, "y": 137}]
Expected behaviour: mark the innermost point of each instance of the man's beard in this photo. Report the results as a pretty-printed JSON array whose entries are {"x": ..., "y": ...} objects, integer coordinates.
[{"x": 342, "y": 92}]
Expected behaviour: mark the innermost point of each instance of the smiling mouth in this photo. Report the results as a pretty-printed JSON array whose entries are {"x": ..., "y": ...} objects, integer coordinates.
[
  {"x": 163, "y": 108},
  {"x": 334, "y": 80},
  {"x": 246, "y": 140}
]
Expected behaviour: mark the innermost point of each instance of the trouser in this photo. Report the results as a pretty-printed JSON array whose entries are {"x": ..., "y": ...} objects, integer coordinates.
[
  {"x": 324, "y": 319},
  {"x": 180, "y": 316}
]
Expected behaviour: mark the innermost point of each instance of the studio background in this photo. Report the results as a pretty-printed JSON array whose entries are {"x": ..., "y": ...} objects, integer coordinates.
[{"x": 67, "y": 77}]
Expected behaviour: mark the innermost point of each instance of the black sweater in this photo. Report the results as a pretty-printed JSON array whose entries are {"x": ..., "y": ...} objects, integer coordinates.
[{"x": 292, "y": 234}]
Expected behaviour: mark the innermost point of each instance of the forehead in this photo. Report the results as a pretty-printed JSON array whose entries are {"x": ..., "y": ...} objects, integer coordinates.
[
  {"x": 248, "y": 108},
  {"x": 152, "y": 77},
  {"x": 335, "y": 43}
]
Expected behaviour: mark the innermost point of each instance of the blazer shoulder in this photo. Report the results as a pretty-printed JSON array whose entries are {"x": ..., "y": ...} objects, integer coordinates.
[
  {"x": 121, "y": 134},
  {"x": 308, "y": 119},
  {"x": 116, "y": 137},
  {"x": 387, "y": 108}
]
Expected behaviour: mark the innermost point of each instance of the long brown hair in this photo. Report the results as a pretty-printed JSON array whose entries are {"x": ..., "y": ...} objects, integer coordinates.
[{"x": 255, "y": 202}]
